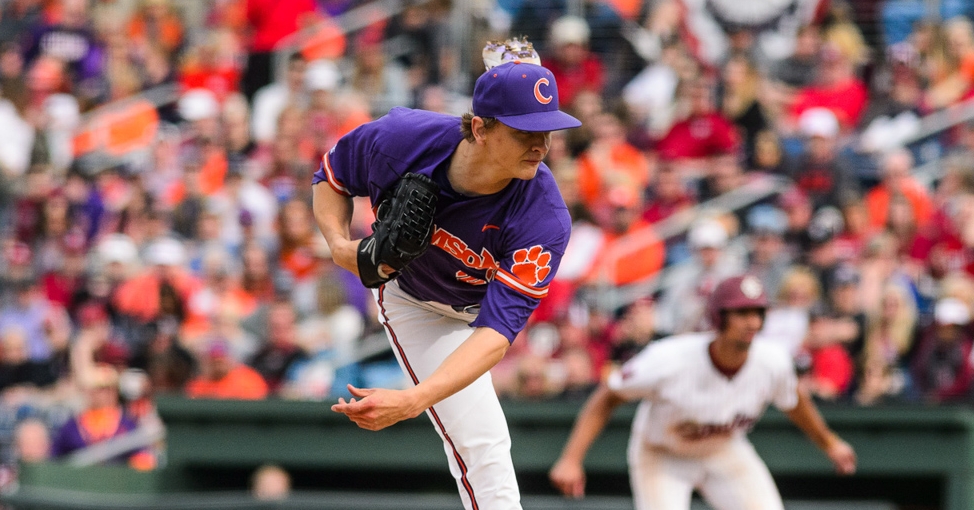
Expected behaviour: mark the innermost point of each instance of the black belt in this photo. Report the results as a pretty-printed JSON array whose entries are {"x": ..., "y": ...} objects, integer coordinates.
[{"x": 466, "y": 308}]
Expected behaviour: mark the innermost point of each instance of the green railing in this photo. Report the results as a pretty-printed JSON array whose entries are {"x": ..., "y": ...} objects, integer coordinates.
[{"x": 921, "y": 456}]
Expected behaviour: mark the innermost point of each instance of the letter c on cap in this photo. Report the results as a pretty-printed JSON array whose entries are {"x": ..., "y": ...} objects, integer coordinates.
[{"x": 537, "y": 91}]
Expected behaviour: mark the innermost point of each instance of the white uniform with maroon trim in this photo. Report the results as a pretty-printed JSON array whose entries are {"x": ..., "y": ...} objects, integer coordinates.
[{"x": 690, "y": 429}]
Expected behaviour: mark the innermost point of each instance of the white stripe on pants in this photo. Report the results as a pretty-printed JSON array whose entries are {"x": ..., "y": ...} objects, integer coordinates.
[{"x": 471, "y": 422}]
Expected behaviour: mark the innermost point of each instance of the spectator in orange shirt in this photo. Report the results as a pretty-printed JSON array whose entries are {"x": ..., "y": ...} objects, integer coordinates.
[
  {"x": 201, "y": 109},
  {"x": 140, "y": 296},
  {"x": 256, "y": 278},
  {"x": 155, "y": 23},
  {"x": 296, "y": 231},
  {"x": 960, "y": 39},
  {"x": 631, "y": 250},
  {"x": 321, "y": 37},
  {"x": 350, "y": 109},
  {"x": 897, "y": 181},
  {"x": 224, "y": 377},
  {"x": 944, "y": 71},
  {"x": 220, "y": 295},
  {"x": 608, "y": 162},
  {"x": 102, "y": 420}
]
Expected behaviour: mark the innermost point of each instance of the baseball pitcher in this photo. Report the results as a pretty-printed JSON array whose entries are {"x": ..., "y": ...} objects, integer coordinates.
[{"x": 469, "y": 232}]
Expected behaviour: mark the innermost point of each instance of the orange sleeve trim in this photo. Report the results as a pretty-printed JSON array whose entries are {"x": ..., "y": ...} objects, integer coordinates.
[
  {"x": 332, "y": 180},
  {"x": 513, "y": 282}
]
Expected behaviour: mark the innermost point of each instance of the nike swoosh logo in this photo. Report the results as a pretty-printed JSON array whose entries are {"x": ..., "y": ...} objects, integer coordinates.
[{"x": 489, "y": 226}]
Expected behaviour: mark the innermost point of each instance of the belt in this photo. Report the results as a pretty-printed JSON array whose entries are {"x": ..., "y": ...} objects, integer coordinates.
[{"x": 466, "y": 308}]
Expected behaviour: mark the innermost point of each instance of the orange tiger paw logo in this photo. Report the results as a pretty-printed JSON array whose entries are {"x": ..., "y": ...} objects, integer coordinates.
[{"x": 531, "y": 265}]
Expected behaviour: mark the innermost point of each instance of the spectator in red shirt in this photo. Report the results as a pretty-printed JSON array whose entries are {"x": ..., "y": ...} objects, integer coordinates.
[
  {"x": 574, "y": 66},
  {"x": 271, "y": 21},
  {"x": 837, "y": 88},
  {"x": 825, "y": 366},
  {"x": 212, "y": 65},
  {"x": 62, "y": 283},
  {"x": 667, "y": 194},
  {"x": 702, "y": 134}
]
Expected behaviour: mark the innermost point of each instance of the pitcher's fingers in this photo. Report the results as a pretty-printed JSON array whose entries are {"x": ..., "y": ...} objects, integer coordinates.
[{"x": 360, "y": 392}]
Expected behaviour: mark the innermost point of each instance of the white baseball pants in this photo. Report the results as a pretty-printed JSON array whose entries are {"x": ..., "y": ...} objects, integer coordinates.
[
  {"x": 733, "y": 478},
  {"x": 471, "y": 422}
]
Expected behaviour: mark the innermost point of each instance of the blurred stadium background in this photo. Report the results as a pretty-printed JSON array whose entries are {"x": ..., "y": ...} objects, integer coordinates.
[{"x": 172, "y": 327}]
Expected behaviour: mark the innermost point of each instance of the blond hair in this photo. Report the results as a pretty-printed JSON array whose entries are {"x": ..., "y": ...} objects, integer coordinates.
[
  {"x": 799, "y": 277},
  {"x": 847, "y": 38},
  {"x": 900, "y": 330}
]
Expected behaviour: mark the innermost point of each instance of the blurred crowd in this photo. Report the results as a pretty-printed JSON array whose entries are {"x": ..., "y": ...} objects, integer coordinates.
[{"x": 156, "y": 234}]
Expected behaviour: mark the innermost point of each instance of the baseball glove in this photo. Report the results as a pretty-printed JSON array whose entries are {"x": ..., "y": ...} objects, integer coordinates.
[{"x": 401, "y": 232}]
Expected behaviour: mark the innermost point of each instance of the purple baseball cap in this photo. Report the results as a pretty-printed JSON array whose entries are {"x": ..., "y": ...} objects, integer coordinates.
[{"x": 522, "y": 96}]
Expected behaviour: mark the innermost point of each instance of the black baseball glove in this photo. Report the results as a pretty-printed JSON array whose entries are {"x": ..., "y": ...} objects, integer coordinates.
[{"x": 402, "y": 229}]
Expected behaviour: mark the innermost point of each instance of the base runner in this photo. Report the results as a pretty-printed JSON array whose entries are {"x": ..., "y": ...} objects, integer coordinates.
[{"x": 700, "y": 395}]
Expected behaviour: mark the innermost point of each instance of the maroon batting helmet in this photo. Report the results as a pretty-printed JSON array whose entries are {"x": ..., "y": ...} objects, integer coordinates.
[{"x": 737, "y": 292}]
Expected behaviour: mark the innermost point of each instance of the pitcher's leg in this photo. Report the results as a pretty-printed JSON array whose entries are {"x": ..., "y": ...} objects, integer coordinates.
[
  {"x": 471, "y": 422},
  {"x": 478, "y": 445}
]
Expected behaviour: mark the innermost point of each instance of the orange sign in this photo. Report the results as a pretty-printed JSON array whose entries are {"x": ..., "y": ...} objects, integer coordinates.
[{"x": 119, "y": 131}]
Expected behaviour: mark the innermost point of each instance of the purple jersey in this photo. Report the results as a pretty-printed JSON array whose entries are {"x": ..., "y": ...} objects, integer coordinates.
[
  {"x": 500, "y": 251},
  {"x": 73, "y": 436}
]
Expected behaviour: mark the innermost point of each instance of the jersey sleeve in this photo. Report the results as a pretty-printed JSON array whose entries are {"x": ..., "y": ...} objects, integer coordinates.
[
  {"x": 640, "y": 377},
  {"x": 348, "y": 165},
  {"x": 785, "y": 385},
  {"x": 372, "y": 157}
]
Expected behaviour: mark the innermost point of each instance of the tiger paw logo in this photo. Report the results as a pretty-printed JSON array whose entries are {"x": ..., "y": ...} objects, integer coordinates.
[{"x": 531, "y": 265}]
